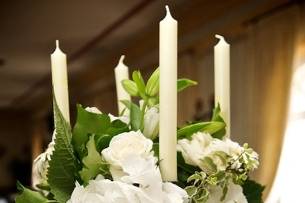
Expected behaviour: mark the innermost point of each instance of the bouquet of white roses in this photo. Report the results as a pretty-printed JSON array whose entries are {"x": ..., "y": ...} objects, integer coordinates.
[{"x": 107, "y": 159}]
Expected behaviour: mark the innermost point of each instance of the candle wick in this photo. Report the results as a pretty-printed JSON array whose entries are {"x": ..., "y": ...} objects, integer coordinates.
[
  {"x": 167, "y": 10},
  {"x": 57, "y": 43},
  {"x": 122, "y": 58},
  {"x": 219, "y": 37}
]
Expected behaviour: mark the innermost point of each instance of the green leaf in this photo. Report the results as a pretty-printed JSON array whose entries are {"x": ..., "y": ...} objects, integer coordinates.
[
  {"x": 88, "y": 123},
  {"x": 92, "y": 162},
  {"x": 185, "y": 83},
  {"x": 136, "y": 117},
  {"x": 208, "y": 165},
  {"x": 152, "y": 87},
  {"x": 253, "y": 191},
  {"x": 130, "y": 87},
  {"x": 29, "y": 196},
  {"x": 63, "y": 165},
  {"x": 138, "y": 79},
  {"x": 191, "y": 190},
  {"x": 217, "y": 117},
  {"x": 207, "y": 127},
  {"x": 156, "y": 149}
]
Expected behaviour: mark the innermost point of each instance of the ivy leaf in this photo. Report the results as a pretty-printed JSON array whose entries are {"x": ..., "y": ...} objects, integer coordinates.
[
  {"x": 209, "y": 165},
  {"x": 63, "y": 165},
  {"x": 184, "y": 83},
  {"x": 253, "y": 191},
  {"x": 88, "y": 123},
  {"x": 207, "y": 127},
  {"x": 217, "y": 117},
  {"x": 29, "y": 196},
  {"x": 92, "y": 163}
]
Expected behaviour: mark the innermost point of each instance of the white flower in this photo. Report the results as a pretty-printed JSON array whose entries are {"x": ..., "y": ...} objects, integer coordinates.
[
  {"x": 124, "y": 146},
  {"x": 103, "y": 190},
  {"x": 107, "y": 191},
  {"x": 203, "y": 145},
  {"x": 151, "y": 123},
  {"x": 41, "y": 164},
  {"x": 195, "y": 149},
  {"x": 234, "y": 194},
  {"x": 93, "y": 110},
  {"x": 174, "y": 194}
]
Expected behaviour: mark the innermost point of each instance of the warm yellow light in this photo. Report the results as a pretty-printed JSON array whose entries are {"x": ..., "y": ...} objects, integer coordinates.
[{"x": 289, "y": 183}]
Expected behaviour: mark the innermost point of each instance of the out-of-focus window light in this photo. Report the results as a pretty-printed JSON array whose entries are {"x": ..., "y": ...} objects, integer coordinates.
[{"x": 289, "y": 183}]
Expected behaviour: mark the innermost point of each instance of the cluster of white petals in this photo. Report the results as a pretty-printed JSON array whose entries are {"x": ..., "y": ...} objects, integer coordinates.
[
  {"x": 204, "y": 145},
  {"x": 136, "y": 176}
]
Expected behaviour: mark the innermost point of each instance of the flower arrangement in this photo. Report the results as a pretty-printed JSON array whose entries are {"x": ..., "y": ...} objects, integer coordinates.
[{"x": 104, "y": 158}]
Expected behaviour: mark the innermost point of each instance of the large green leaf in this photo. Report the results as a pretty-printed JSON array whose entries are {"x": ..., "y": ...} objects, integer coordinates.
[
  {"x": 88, "y": 123},
  {"x": 93, "y": 163},
  {"x": 217, "y": 117},
  {"x": 29, "y": 196},
  {"x": 63, "y": 165},
  {"x": 253, "y": 191},
  {"x": 185, "y": 83},
  {"x": 207, "y": 127}
]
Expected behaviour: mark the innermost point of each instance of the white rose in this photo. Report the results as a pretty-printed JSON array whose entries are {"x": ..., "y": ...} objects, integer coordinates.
[
  {"x": 234, "y": 194},
  {"x": 151, "y": 123},
  {"x": 195, "y": 149},
  {"x": 124, "y": 146}
]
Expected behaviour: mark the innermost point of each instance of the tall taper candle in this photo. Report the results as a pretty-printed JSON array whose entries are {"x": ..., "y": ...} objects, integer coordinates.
[
  {"x": 60, "y": 81},
  {"x": 222, "y": 79},
  {"x": 168, "y": 97},
  {"x": 121, "y": 73}
]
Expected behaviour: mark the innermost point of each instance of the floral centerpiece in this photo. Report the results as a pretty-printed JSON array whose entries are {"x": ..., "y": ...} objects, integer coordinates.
[{"x": 104, "y": 158}]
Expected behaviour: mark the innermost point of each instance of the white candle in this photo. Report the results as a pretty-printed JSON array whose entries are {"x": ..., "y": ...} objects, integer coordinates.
[
  {"x": 121, "y": 73},
  {"x": 222, "y": 79},
  {"x": 60, "y": 81},
  {"x": 168, "y": 97}
]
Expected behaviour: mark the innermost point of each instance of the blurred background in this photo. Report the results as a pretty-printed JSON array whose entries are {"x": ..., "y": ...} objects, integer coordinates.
[{"x": 267, "y": 71}]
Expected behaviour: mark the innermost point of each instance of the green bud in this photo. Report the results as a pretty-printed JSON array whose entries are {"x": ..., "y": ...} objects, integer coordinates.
[
  {"x": 130, "y": 87},
  {"x": 152, "y": 87}
]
